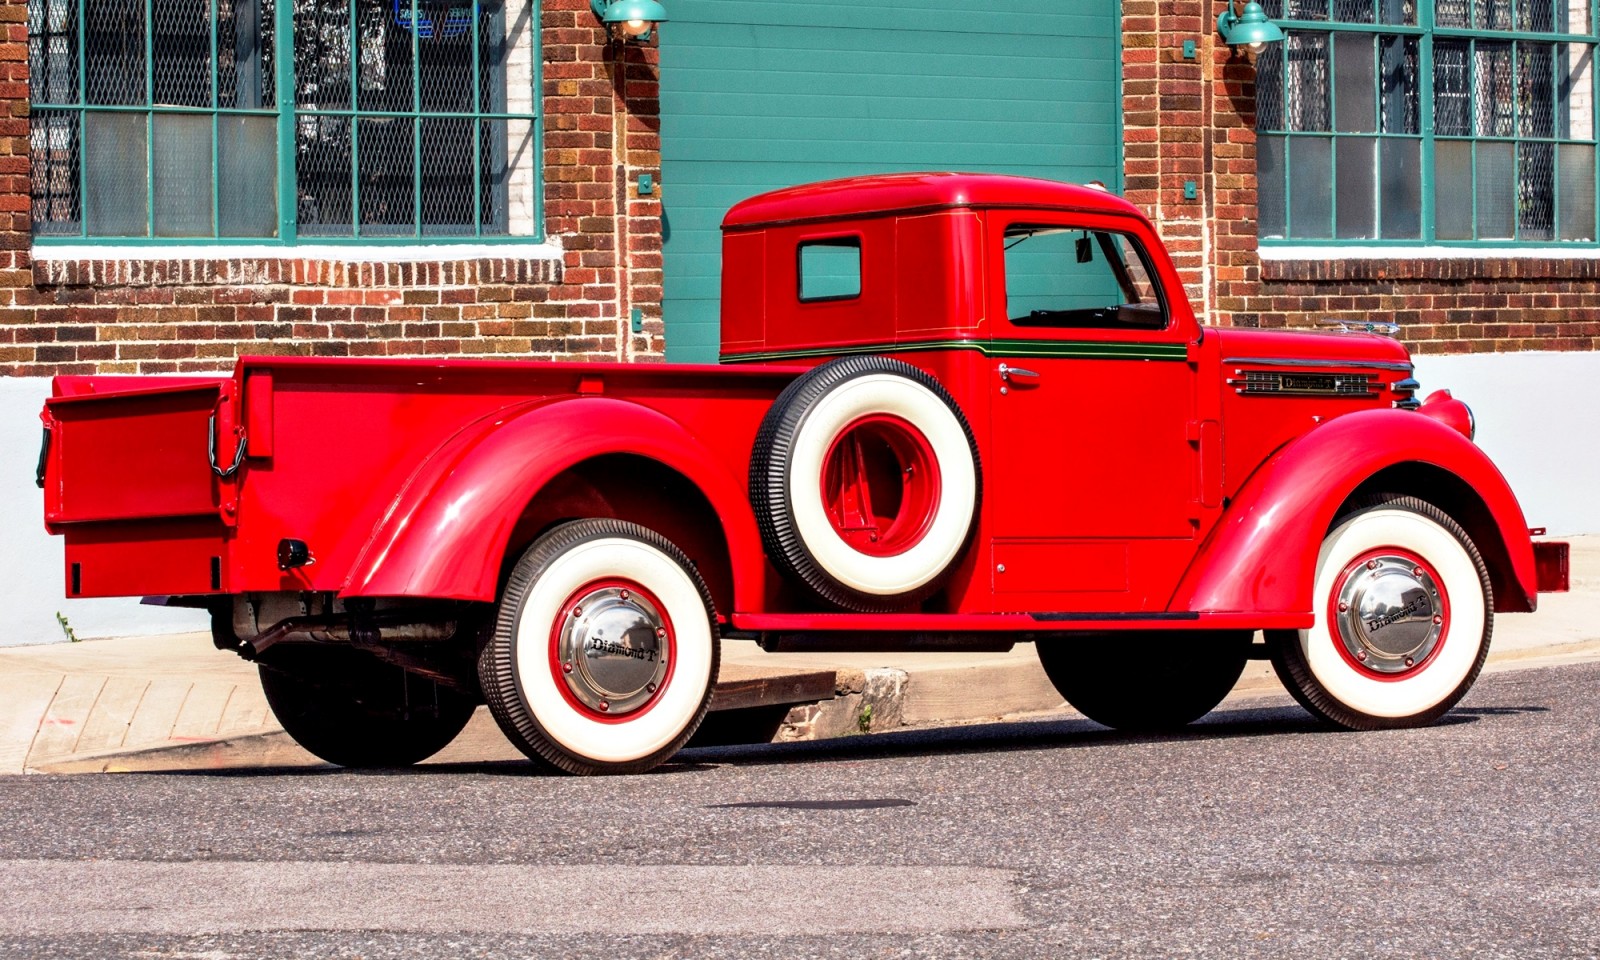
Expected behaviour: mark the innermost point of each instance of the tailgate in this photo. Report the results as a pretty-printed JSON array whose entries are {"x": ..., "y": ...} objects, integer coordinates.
[
  {"x": 128, "y": 478},
  {"x": 138, "y": 454}
]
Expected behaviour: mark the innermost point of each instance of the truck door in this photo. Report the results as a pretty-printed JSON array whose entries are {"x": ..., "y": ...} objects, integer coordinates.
[{"x": 1091, "y": 472}]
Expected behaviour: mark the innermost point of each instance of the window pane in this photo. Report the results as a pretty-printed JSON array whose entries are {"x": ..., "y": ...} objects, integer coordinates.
[
  {"x": 509, "y": 199},
  {"x": 1269, "y": 186},
  {"x": 1535, "y": 89},
  {"x": 1353, "y": 11},
  {"x": 180, "y": 43},
  {"x": 1398, "y": 11},
  {"x": 1452, "y": 94},
  {"x": 1575, "y": 91},
  {"x": 505, "y": 57},
  {"x": 831, "y": 270},
  {"x": 1537, "y": 16},
  {"x": 447, "y": 177},
  {"x": 1572, "y": 16},
  {"x": 1308, "y": 81},
  {"x": 1452, "y": 190},
  {"x": 1308, "y": 9},
  {"x": 322, "y": 176},
  {"x": 1269, "y": 87},
  {"x": 1401, "y": 163},
  {"x": 322, "y": 55},
  {"x": 183, "y": 175},
  {"x": 1536, "y": 191},
  {"x": 1452, "y": 13},
  {"x": 114, "y": 48},
  {"x": 384, "y": 62},
  {"x": 385, "y": 162},
  {"x": 247, "y": 176},
  {"x": 115, "y": 181},
  {"x": 53, "y": 171},
  {"x": 53, "y": 51},
  {"x": 1492, "y": 79},
  {"x": 1496, "y": 193},
  {"x": 445, "y": 59},
  {"x": 1356, "y": 189},
  {"x": 1397, "y": 72},
  {"x": 244, "y": 54},
  {"x": 1492, "y": 14},
  {"x": 1310, "y": 202},
  {"x": 1354, "y": 81},
  {"x": 1577, "y": 192}
]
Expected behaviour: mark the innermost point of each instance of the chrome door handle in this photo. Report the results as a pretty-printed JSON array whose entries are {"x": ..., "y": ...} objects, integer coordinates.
[{"x": 1010, "y": 374}]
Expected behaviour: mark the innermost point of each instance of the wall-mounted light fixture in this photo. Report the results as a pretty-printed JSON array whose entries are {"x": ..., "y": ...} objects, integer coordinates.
[
  {"x": 1248, "y": 29},
  {"x": 629, "y": 19}
]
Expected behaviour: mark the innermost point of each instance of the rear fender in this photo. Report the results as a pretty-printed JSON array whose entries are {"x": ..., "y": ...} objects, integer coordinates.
[
  {"x": 1261, "y": 557},
  {"x": 447, "y": 533}
]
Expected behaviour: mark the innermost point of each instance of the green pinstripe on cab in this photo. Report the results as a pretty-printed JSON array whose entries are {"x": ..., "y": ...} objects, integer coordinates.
[{"x": 1062, "y": 349}]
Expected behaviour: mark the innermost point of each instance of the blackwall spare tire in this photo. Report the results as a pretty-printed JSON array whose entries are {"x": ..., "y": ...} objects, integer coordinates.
[{"x": 866, "y": 483}]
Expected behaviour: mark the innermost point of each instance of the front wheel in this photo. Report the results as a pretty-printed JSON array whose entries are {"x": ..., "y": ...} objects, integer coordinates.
[
  {"x": 604, "y": 652},
  {"x": 1145, "y": 682},
  {"x": 1404, "y": 612}
]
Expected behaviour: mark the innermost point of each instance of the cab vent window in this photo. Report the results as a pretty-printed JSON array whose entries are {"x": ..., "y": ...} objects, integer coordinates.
[{"x": 830, "y": 269}]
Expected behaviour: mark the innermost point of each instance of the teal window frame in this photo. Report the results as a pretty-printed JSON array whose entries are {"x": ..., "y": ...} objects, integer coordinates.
[
  {"x": 286, "y": 114},
  {"x": 1426, "y": 31}
]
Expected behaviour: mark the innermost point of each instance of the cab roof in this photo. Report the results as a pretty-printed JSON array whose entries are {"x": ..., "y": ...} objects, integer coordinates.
[{"x": 906, "y": 192}]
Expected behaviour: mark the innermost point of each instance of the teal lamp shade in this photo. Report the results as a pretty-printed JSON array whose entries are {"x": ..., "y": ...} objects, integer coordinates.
[
  {"x": 1249, "y": 28},
  {"x": 633, "y": 19}
]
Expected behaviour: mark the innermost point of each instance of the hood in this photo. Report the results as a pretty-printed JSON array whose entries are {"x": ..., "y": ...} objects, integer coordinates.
[{"x": 1333, "y": 347}]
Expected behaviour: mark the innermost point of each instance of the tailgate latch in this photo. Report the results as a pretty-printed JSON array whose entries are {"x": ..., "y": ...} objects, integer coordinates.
[{"x": 211, "y": 451}]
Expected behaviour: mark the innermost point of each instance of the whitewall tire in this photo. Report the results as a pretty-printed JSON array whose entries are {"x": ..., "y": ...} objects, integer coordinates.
[
  {"x": 605, "y": 649},
  {"x": 1404, "y": 615},
  {"x": 865, "y": 482}
]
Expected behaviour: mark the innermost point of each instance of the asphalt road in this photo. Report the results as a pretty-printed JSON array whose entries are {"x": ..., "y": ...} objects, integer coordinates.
[{"x": 1257, "y": 834}]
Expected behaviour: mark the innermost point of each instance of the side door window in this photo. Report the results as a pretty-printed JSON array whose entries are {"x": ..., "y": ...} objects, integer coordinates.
[{"x": 1079, "y": 279}]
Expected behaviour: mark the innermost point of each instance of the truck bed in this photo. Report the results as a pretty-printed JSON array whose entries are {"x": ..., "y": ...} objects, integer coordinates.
[{"x": 329, "y": 446}]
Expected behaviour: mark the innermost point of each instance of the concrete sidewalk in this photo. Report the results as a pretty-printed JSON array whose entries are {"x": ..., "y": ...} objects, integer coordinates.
[{"x": 164, "y": 702}]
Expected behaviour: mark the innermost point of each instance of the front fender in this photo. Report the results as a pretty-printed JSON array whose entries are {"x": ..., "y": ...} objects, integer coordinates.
[
  {"x": 1261, "y": 557},
  {"x": 447, "y": 532}
]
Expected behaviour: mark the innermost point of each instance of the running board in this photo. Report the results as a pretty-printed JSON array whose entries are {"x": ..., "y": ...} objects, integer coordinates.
[{"x": 956, "y": 628}]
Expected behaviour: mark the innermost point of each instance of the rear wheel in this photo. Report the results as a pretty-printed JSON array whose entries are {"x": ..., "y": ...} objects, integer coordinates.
[
  {"x": 1404, "y": 613},
  {"x": 355, "y": 711},
  {"x": 605, "y": 649},
  {"x": 1148, "y": 681}
]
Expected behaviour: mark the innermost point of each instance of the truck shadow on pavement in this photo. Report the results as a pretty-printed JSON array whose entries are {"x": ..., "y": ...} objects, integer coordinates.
[
  {"x": 1044, "y": 734},
  {"x": 1000, "y": 736}
]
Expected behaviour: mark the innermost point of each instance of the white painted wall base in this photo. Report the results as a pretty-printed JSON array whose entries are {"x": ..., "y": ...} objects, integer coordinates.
[
  {"x": 1532, "y": 411},
  {"x": 32, "y": 564}
]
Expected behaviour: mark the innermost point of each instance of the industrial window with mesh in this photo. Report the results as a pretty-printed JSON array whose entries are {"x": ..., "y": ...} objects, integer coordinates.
[
  {"x": 283, "y": 120},
  {"x": 1441, "y": 121}
]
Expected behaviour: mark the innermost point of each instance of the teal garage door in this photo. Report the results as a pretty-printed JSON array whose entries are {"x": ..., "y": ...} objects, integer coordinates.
[{"x": 760, "y": 94}]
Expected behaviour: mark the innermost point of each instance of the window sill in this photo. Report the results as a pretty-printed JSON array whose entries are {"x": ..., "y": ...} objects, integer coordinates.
[
  {"x": 331, "y": 252},
  {"x": 78, "y": 265},
  {"x": 1325, "y": 264}
]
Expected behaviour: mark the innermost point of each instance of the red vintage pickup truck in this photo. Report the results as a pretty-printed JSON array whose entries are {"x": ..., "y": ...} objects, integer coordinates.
[{"x": 953, "y": 412}]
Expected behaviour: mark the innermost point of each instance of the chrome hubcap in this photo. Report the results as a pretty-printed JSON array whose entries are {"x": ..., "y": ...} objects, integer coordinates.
[
  {"x": 1389, "y": 614},
  {"x": 613, "y": 645}
]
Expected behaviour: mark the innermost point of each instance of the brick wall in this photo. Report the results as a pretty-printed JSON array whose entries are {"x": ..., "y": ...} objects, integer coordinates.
[
  {"x": 157, "y": 315},
  {"x": 1194, "y": 120}
]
